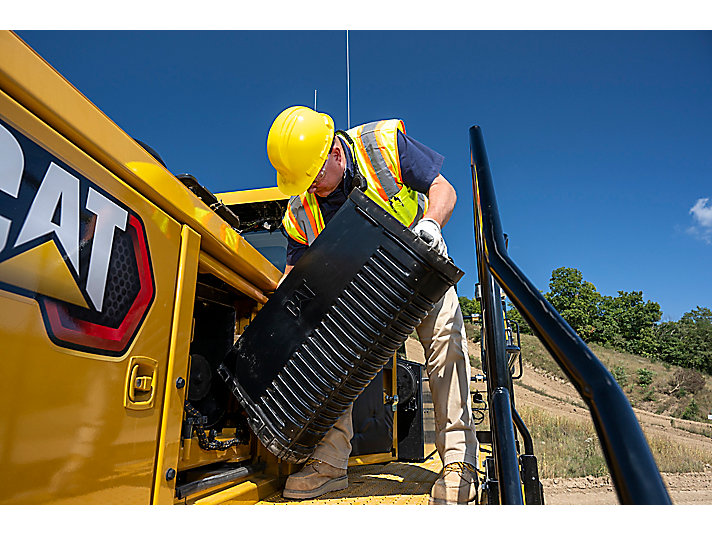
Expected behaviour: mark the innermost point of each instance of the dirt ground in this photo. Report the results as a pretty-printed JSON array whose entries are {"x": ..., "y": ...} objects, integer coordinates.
[
  {"x": 684, "y": 488},
  {"x": 560, "y": 398}
]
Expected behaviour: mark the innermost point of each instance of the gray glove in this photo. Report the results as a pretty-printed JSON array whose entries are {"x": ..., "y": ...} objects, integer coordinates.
[{"x": 429, "y": 231}]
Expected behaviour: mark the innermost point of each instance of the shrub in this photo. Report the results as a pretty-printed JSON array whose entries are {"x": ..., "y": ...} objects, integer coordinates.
[
  {"x": 692, "y": 411},
  {"x": 621, "y": 375},
  {"x": 645, "y": 377},
  {"x": 649, "y": 395},
  {"x": 473, "y": 332},
  {"x": 685, "y": 380}
]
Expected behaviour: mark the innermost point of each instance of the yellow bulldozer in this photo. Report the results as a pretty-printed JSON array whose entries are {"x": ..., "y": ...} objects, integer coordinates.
[{"x": 122, "y": 288}]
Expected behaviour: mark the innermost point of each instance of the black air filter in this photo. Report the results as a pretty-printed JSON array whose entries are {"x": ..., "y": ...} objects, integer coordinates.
[{"x": 351, "y": 301}]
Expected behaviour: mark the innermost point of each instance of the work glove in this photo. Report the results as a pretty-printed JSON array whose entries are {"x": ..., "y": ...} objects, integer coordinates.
[{"x": 429, "y": 231}]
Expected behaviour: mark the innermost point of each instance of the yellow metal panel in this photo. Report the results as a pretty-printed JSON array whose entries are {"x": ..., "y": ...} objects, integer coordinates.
[
  {"x": 65, "y": 435},
  {"x": 266, "y": 194},
  {"x": 43, "y": 270},
  {"x": 366, "y": 459},
  {"x": 172, "y": 418},
  {"x": 32, "y": 82},
  {"x": 249, "y": 492},
  {"x": 210, "y": 265}
]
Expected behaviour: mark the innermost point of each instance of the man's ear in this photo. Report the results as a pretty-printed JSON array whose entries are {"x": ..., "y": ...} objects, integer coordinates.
[{"x": 338, "y": 151}]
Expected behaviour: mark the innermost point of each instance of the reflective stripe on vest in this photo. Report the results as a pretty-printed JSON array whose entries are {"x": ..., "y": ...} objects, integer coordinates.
[
  {"x": 296, "y": 222},
  {"x": 311, "y": 208},
  {"x": 376, "y": 147},
  {"x": 376, "y": 154},
  {"x": 303, "y": 220},
  {"x": 370, "y": 141}
]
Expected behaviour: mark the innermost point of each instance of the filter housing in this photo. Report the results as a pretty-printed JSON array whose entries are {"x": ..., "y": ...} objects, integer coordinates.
[{"x": 351, "y": 300}]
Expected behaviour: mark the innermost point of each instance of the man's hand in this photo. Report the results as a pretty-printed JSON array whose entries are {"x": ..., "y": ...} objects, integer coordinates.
[
  {"x": 286, "y": 272},
  {"x": 429, "y": 231}
]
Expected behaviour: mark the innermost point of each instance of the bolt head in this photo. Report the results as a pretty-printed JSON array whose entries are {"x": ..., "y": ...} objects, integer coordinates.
[
  {"x": 170, "y": 474},
  {"x": 180, "y": 383}
]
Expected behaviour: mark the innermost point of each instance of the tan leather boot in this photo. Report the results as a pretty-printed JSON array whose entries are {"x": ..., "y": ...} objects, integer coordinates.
[
  {"x": 315, "y": 478},
  {"x": 457, "y": 484}
]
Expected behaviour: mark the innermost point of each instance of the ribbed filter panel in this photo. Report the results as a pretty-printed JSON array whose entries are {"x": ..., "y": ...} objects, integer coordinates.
[{"x": 349, "y": 303}]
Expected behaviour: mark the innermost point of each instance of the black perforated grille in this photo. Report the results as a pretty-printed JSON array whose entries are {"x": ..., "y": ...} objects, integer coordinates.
[
  {"x": 122, "y": 285},
  {"x": 337, "y": 318},
  {"x": 373, "y": 316}
]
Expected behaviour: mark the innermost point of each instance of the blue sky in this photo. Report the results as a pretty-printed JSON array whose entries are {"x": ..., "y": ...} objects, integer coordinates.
[{"x": 600, "y": 142}]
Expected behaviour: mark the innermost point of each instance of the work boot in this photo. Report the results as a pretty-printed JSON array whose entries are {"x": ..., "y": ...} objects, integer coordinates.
[
  {"x": 316, "y": 478},
  {"x": 457, "y": 484}
]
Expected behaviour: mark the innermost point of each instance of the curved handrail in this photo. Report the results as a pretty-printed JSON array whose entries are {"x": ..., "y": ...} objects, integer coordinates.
[{"x": 630, "y": 462}]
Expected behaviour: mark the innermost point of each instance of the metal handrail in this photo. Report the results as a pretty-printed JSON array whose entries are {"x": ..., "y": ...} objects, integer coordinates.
[{"x": 634, "y": 473}]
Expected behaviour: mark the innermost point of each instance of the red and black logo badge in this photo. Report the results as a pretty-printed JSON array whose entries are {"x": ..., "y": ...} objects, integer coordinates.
[{"x": 74, "y": 248}]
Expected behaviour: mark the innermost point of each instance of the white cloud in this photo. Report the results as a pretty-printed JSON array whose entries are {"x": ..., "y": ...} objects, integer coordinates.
[
  {"x": 701, "y": 212},
  {"x": 702, "y": 220}
]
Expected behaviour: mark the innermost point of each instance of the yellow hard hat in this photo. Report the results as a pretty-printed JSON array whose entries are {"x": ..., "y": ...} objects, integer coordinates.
[{"x": 298, "y": 144}]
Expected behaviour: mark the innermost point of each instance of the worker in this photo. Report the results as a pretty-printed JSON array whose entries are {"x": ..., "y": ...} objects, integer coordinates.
[{"x": 319, "y": 167}]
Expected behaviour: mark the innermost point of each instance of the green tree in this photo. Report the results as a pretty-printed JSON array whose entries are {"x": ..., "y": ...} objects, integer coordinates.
[
  {"x": 577, "y": 301},
  {"x": 633, "y": 323},
  {"x": 627, "y": 322},
  {"x": 688, "y": 342},
  {"x": 469, "y": 306},
  {"x": 514, "y": 315}
]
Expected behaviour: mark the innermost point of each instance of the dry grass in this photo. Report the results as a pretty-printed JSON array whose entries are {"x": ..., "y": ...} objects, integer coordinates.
[
  {"x": 693, "y": 428},
  {"x": 564, "y": 447},
  {"x": 653, "y": 397},
  {"x": 673, "y": 457},
  {"x": 569, "y": 448}
]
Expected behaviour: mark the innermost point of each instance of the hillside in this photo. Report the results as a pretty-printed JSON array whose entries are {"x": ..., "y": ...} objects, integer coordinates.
[
  {"x": 571, "y": 463},
  {"x": 651, "y": 386}
]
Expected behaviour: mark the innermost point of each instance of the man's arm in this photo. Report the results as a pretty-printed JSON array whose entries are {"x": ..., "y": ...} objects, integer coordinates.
[{"x": 441, "y": 200}]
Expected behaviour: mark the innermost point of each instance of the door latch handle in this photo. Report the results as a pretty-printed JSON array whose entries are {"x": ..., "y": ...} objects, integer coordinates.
[{"x": 140, "y": 383}]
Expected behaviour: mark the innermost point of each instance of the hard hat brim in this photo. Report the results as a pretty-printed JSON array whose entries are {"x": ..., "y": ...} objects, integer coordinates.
[{"x": 288, "y": 186}]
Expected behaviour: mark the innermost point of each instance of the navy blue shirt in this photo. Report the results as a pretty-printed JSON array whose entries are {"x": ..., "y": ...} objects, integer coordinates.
[{"x": 420, "y": 165}]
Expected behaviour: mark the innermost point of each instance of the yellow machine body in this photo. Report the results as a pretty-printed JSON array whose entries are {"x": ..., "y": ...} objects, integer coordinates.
[
  {"x": 79, "y": 426},
  {"x": 93, "y": 413}
]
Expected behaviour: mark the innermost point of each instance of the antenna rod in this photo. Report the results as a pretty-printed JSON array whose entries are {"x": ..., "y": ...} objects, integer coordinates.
[
  {"x": 348, "y": 84},
  {"x": 314, "y": 99}
]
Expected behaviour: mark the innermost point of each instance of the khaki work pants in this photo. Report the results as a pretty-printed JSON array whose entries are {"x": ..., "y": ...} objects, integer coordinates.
[{"x": 442, "y": 334}]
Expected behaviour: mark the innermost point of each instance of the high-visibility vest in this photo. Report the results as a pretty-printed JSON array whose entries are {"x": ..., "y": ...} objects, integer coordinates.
[{"x": 376, "y": 155}]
